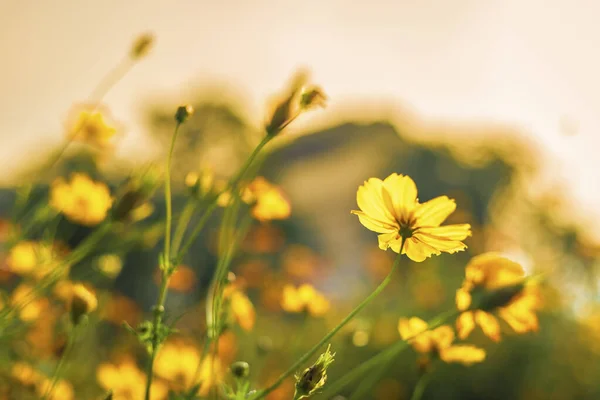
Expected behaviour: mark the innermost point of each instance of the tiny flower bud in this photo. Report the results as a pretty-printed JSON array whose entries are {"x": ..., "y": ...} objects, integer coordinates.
[
  {"x": 313, "y": 97},
  {"x": 141, "y": 46},
  {"x": 83, "y": 302},
  {"x": 183, "y": 112},
  {"x": 240, "y": 369},
  {"x": 314, "y": 377}
]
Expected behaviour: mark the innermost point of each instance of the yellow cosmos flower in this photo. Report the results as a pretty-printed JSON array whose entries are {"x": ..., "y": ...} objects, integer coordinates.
[
  {"x": 270, "y": 201},
  {"x": 127, "y": 382},
  {"x": 391, "y": 208},
  {"x": 62, "y": 390},
  {"x": 304, "y": 298},
  {"x": 22, "y": 258},
  {"x": 30, "y": 307},
  {"x": 498, "y": 285},
  {"x": 211, "y": 374},
  {"x": 81, "y": 199},
  {"x": 177, "y": 362},
  {"x": 438, "y": 342},
  {"x": 92, "y": 128},
  {"x": 83, "y": 302},
  {"x": 241, "y": 307}
]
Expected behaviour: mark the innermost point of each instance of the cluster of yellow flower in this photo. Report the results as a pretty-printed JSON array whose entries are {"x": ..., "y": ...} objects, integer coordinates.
[{"x": 493, "y": 284}]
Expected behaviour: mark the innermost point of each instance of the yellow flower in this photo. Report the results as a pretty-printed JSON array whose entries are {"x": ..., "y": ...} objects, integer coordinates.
[
  {"x": 82, "y": 200},
  {"x": 270, "y": 202},
  {"x": 498, "y": 284},
  {"x": 127, "y": 382},
  {"x": 91, "y": 127},
  {"x": 241, "y": 307},
  {"x": 30, "y": 307},
  {"x": 83, "y": 302},
  {"x": 22, "y": 258},
  {"x": 391, "y": 208},
  {"x": 438, "y": 342},
  {"x": 304, "y": 298},
  {"x": 25, "y": 374},
  {"x": 62, "y": 390},
  {"x": 177, "y": 362}
]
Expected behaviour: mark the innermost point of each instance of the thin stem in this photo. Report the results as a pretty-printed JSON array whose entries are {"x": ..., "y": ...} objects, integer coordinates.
[
  {"x": 182, "y": 224},
  {"x": 166, "y": 269},
  {"x": 168, "y": 206},
  {"x": 420, "y": 387},
  {"x": 230, "y": 186},
  {"x": 382, "y": 357},
  {"x": 261, "y": 394},
  {"x": 56, "y": 375}
]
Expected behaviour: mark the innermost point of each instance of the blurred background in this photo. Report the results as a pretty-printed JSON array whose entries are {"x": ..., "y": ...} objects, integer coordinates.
[{"x": 493, "y": 103}]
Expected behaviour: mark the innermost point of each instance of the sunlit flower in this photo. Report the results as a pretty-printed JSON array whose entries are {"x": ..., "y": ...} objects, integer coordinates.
[
  {"x": 241, "y": 307},
  {"x": 270, "y": 201},
  {"x": 30, "y": 307},
  {"x": 83, "y": 302},
  {"x": 304, "y": 298},
  {"x": 25, "y": 374},
  {"x": 497, "y": 284},
  {"x": 62, "y": 390},
  {"x": 127, "y": 382},
  {"x": 391, "y": 208},
  {"x": 91, "y": 127},
  {"x": 22, "y": 258},
  {"x": 438, "y": 342},
  {"x": 211, "y": 374},
  {"x": 177, "y": 363},
  {"x": 81, "y": 199},
  {"x": 201, "y": 183},
  {"x": 110, "y": 265},
  {"x": 34, "y": 259},
  {"x": 182, "y": 279}
]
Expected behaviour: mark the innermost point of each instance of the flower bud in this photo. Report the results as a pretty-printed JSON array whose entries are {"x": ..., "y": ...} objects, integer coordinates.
[
  {"x": 314, "y": 377},
  {"x": 500, "y": 297},
  {"x": 183, "y": 112},
  {"x": 313, "y": 97},
  {"x": 141, "y": 46},
  {"x": 240, "y": 369},
  {"x": 135, "y": 192},
  {"x": 83, "y": 302}
]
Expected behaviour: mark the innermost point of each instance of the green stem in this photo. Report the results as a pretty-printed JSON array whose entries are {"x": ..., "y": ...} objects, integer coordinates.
[
  {"x": 230, "y": 186},
  {"x": 182, "y": 224},
  {"x": 56, "y": 375},
  {"x": 382, "y": 357},
  {"x": 420, "y": 387},
  {"x": 159, "y": 308},
  {"x": 261, "y": 394}
]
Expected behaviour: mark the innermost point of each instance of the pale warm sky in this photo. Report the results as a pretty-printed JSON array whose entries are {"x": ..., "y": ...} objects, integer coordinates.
[{"x": 527, "y": 63}]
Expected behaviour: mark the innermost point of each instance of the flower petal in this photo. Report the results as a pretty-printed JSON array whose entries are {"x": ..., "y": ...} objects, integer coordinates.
[
  {"x": 449, "y": 232},
  {"x": 465, "y": 324},
  {"x": 443, "y": 336},
  {"x": 369, "y": 198},
  {"x": 402, "y": 193},
  {"x": 434, "y": 211},
  {"x": 373, "y": 224},
  {"x": 463, "y": 299},
  {"x": 489, "y": 324},
  {"x": 464, "y": 354},
  {"x": 415, "y": 250}
]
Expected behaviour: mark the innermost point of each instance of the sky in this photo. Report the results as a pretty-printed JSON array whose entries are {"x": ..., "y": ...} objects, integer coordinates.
[{"x": 531, "y": 64}]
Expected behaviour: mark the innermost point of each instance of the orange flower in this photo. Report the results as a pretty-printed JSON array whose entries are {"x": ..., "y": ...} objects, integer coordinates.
[
  {"x": 438, "y": 342},
  {"x": 241, "y": 307},
  {"x": 498, "y": 284}
]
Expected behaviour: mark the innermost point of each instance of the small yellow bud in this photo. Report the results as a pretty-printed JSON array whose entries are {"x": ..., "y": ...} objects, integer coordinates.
[
  {"x": 183, "y": 112},
  {"x": 83, "y": 302},
  {"x": 141, "y": 46}
]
